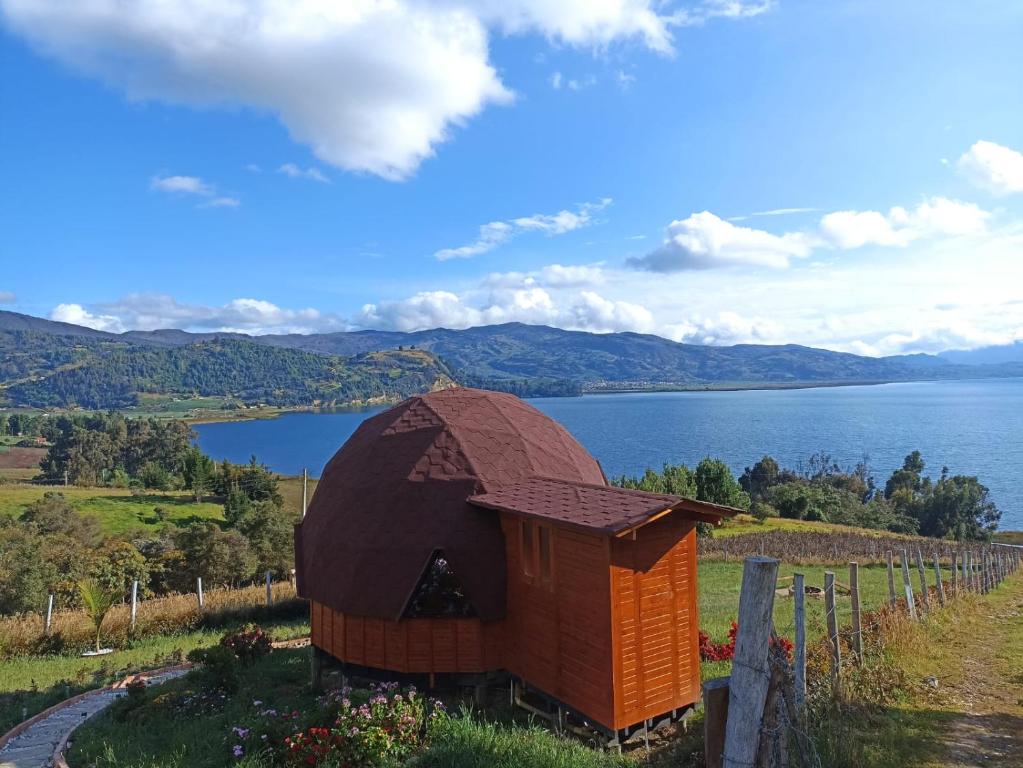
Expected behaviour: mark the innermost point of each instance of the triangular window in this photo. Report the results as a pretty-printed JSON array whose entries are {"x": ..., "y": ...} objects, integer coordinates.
[{"x": 439, "y": 592}]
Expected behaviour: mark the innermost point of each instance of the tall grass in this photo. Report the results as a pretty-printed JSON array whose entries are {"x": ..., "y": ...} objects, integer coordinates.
[{"x": 74, "y": 630}]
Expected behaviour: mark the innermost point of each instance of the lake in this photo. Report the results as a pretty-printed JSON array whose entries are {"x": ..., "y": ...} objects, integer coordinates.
[{"x": 973, "y": 427}]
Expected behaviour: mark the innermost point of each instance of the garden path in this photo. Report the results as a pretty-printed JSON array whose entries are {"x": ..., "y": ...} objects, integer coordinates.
[{"x": 37, "y": 744}]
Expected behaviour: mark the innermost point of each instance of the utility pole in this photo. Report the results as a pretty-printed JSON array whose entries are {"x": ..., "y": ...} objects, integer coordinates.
[{"x": 305, "y": 491}]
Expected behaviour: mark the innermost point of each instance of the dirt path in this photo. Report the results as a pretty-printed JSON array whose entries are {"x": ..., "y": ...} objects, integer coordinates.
[{"x": 987, "y": 692}]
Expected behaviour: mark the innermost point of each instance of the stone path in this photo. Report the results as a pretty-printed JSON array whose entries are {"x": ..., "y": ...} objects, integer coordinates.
[{"x": 35, "y": 746}]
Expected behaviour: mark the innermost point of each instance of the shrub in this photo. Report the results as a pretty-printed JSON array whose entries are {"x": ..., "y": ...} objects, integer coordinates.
[
  {"x": 388, "y": 728},
  {"x": 218, "y": 668},
  {"x": 249, "y": 644},
  {"x": 726, "y": 651}
]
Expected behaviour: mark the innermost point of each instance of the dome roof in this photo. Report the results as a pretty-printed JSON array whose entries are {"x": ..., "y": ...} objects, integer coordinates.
[{"x": 397, "y": 492}]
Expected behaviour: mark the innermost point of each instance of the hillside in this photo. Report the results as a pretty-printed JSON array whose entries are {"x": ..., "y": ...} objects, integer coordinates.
[
  {"x": 55, "y": 364},
  {"x": 44, "y": 370}
]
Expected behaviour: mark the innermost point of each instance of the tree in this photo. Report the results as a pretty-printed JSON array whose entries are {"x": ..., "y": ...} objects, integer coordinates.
[
  {"x": 117, "y": 564},
  {"x": 25, "y": 575},
  {"x": 199, "y": 471},
  {"x": 219, "y": 557},
  {"x": 676, "y": 479},
  {"x": 758, "y": 479},
  {"x": 959, "y": 507},
  {"x": 52, "y": 514},
  {"x": 270, "y": 531},
  {"x": 908, "y": 478},
  {"x": 716, "y": 484},
  {"x": 98, "y": 602}
]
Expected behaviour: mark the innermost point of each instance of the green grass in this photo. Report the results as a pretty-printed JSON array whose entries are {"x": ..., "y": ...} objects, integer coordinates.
[
  {"x": 743, "y": 524},
  {"x": 719, "y": 586},
  {"x": 115, "y": 509},
  {"x": 31, "y": 684}
]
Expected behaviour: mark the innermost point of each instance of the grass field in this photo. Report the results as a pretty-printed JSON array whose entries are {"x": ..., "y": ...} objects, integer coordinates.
[
  {"x": 31, "y": 684},
  {"x": 119, "y": 512},
  {"x": 115, "y": 509}
]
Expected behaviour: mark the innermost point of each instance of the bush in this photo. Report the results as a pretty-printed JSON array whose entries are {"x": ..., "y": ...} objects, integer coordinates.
[
  {"x": 386, "y": 729},
  {"x": 249, "y": 644},
  {"x": 218, "y": 668}
]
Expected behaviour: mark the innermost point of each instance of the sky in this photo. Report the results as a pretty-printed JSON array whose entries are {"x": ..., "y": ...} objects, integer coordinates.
[{"x": 841, "y": 174}]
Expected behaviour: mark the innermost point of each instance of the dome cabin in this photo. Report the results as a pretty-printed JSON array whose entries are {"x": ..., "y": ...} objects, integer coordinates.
[{"x": 466, "y": 532}]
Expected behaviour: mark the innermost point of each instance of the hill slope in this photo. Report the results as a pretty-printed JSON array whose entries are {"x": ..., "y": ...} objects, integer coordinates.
[
  {"x": 57, "y": 363},
  {"x": 45, "y": 371}
]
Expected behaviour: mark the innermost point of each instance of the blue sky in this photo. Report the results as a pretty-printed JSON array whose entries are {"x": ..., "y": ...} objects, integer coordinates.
[{"x": 301, "y": 166}]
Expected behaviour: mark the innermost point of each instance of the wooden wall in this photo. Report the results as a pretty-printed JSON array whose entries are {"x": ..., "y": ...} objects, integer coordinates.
[
  {"x": 411, "y": 645},
  {"x": 655, "y": 620},
  {"x": 558, "y": 634},
  {"x": 613, "y": 633}
]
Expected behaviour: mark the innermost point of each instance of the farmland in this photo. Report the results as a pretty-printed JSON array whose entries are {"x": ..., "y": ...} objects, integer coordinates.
[{"x": 120, "y": 511}]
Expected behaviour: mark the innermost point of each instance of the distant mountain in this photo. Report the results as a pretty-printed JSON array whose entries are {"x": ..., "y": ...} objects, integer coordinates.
[
  {"x": 1004, "y": 353},
  {"x": 59, "y": 364}
]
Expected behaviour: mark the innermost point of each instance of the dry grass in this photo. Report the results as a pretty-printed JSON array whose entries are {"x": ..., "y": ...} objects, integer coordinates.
[{"x": 73, "y": 630}]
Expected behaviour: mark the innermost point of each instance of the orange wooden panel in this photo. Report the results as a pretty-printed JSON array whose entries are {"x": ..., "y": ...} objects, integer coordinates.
[
  {"x": 396, "y": 647},
  {"x": 375, "y": 654},
  {"x": 655, "y": 625}
]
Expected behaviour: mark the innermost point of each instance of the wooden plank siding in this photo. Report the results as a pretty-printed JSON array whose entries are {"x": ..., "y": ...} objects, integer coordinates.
[
  {"x": 607, "y": 626},
  {"x": 411, "y": 646},
  {"x": 655, "y": 620},
  {"x": 558, "y": 634}
]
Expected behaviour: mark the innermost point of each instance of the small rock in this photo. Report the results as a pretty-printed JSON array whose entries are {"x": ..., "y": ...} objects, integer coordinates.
[{"x": 931, "y": 681}]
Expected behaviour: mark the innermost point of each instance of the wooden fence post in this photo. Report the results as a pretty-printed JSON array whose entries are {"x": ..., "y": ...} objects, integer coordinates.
[
  {"x": 937, "y": 580},
  {"x": 832, "y": 617},
  {"x": 955, "y": 574},
  {"x": 907, "y": 586},
  {"x": 134, "y": 603},
  {"x": 715, "y": 715},
  {"x": 49, "y": 615},
  {"x": 269, "y": 592},
  {"x": 923, "y": 580},
  {"x": 800, "y": 650},
  {"x": 198, "y": 591},
  {"x": 891, "y": 579},
  {"x": 854, "y": 594},
  {"x": 747, "y": 689}
]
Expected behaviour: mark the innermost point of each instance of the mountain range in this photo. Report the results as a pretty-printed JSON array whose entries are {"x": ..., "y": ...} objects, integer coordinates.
[{"x": 52, "y": 364}]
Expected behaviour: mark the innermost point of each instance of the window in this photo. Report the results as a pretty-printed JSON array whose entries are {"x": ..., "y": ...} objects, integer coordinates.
[
  {"x": 545, "y": 554},
  {"x": 528, "y": 550}
]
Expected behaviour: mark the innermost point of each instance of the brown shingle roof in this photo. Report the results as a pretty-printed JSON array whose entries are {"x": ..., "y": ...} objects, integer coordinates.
[
  {"x": 398, "y": 490},
  {"x": 599, "y": 508}
]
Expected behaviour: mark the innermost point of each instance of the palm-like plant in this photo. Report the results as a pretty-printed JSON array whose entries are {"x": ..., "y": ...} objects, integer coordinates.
[{"x": 98, "y": 602}]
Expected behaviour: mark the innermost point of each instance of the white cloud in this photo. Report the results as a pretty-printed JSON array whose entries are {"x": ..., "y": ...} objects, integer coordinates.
[
  {"x": 559, "y": 276},
  {"x": 193, "y": 185},
  {"x": 624, "y": 79},
  {"x": 556, "y": 81},
  {"x": 936, "y": 217},
  {"x": 188, "y": 185},
  {"x": 152, "y": 311},
  {"x": 704, "y": 241},
  {"x": 7, "y": 297},
  {"x": 293, "y": 171},
  {"x": 224, "y": 202},
  {"x": 369, "y": 85},
  {"x": 495, "y": 233},
  {"x": 79, "y": 315},
  {"x": 993, "y": 167}
]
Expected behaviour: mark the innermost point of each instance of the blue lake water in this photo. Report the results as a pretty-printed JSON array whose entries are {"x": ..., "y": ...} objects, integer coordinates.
[{"x": 973, "y": 427}]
